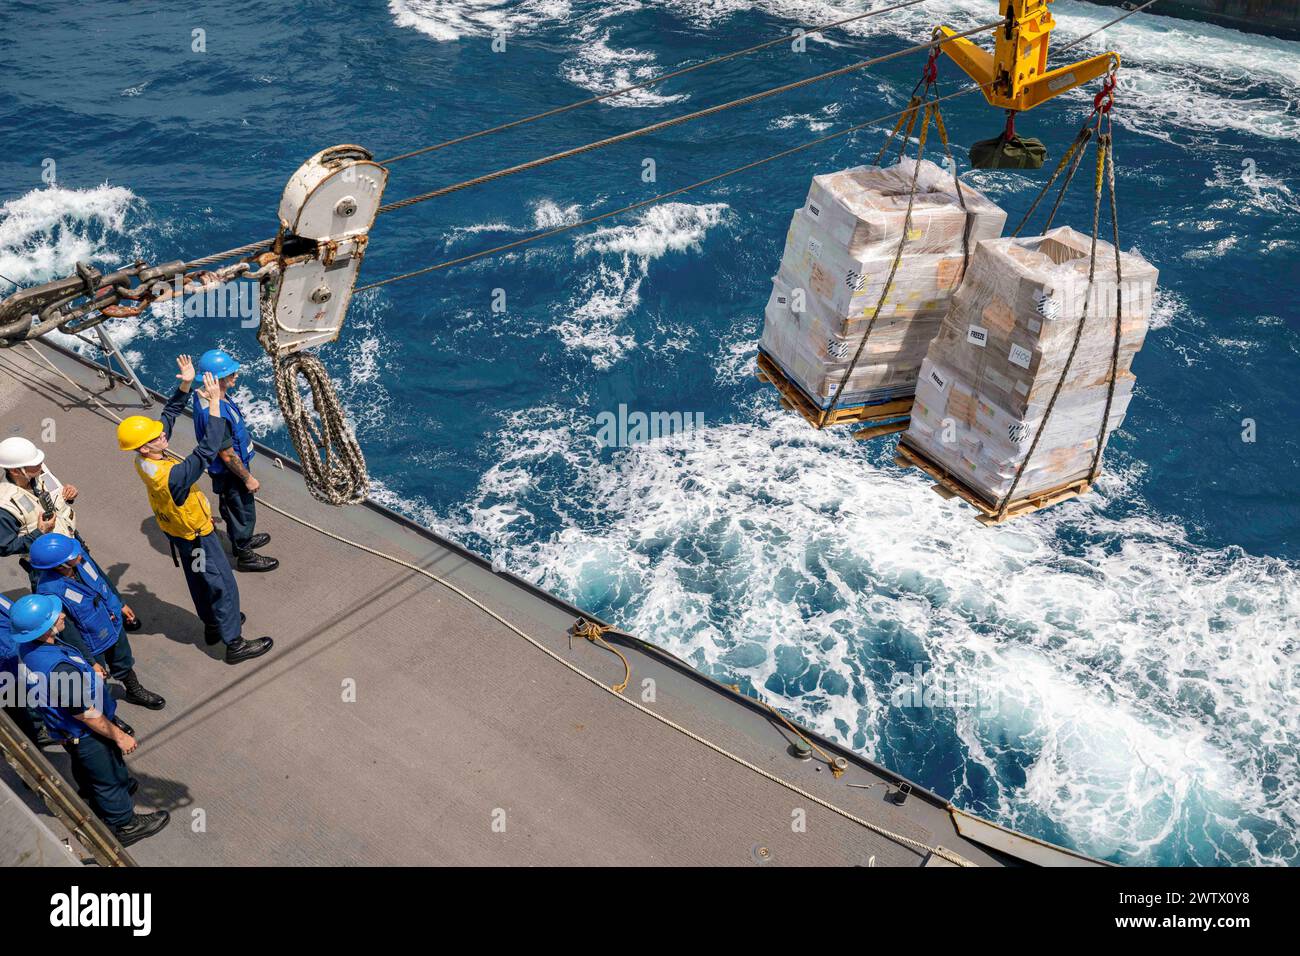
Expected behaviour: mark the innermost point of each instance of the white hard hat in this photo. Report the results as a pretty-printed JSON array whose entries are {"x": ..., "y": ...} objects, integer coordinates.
[{"x": 19, "y": 453}]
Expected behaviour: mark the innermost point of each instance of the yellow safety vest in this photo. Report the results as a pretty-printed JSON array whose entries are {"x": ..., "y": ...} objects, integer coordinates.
[
  {"x": 26, "y": 507},
  {"x": 191, "y": 520}
]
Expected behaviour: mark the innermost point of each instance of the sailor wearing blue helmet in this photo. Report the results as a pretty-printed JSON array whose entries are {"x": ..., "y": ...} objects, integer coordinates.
[
  {"x": 26, "y": 717},
  {"x": 232, "y": 482},
  {"x": 67, "y": 572},
  {"x": 81, "y": 715}
]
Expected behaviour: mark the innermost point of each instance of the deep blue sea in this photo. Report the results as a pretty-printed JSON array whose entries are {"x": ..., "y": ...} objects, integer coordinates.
[{"x": 1128, "y": 661}]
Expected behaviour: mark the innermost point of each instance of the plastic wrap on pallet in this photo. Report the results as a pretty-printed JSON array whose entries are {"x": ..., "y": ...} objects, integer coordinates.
[
  {"x": 992, "y": 369},
  {"x": 838, "y": 254},
  {"x": 810, "y": 352},
  {"x": 863, "y": 209}
]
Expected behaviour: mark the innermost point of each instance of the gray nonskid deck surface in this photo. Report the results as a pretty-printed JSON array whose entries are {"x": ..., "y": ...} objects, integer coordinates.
[{"x": 457, "y": 723}]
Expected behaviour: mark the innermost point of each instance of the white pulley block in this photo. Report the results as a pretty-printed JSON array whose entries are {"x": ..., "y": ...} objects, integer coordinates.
[{"x": 332, "y": 200}]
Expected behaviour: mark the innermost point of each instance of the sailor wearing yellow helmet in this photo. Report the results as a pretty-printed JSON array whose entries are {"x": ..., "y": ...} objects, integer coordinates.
[{"x": 183, "y": 512}]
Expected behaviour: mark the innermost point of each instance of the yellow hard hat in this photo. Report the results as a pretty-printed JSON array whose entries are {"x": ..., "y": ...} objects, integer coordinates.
[{"x": 136, "y": 431}]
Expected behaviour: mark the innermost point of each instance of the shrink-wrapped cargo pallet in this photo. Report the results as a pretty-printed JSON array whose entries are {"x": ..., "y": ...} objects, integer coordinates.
[
  {"x": 990, "y": 373},
  {"x": 838, "y": 253}
]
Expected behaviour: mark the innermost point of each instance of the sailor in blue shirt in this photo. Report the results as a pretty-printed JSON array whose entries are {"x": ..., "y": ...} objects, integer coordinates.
[
  {"x": 26, "y": 717},
  {"x": 68, "y": 573},
  {"x": 81, "y": 715},
  {"x": 232, "y": 482},
  {"x": 8, "y": 649}
]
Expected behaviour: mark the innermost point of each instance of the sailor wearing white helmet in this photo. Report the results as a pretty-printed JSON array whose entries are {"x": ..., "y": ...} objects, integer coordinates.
[{"x": 33, "y": 502}]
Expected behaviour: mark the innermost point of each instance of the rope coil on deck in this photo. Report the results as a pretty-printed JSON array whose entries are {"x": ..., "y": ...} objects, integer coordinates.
[
  {"x": 916, "y": 845},
  {"x": 595, "y": 632}
]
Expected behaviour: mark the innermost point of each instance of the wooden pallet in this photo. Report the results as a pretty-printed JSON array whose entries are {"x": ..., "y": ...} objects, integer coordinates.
[
  {"x": 948, "y": 486},
  {"x": 793, "y": 397}
]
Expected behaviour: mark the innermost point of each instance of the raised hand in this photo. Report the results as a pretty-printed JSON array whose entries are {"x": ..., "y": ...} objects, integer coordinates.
[
  {"x": 211, "y": 393},
  {"x": 186, "y": 366}
]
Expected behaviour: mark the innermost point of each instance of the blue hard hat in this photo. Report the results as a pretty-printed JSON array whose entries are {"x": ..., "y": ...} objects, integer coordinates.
[
  {"x": 218, "y": 362},
  {"x": 51, "y": 550},
  {"x": 32, "y": 616}
]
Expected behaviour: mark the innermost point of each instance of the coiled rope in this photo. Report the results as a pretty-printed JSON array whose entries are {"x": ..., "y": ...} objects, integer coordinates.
[
  {"x": 918, "y": 846},
  {"x": 333, "y": 465}
]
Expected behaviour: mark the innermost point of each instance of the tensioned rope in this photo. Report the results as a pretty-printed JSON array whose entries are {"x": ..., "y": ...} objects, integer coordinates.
[
  {"x": 264, "y": 244},
  {"x": 653, "y": 81},
  {"x": 1105, "y": 26},
  {"x": 1102, "y": 104},
  {"x": 684, "y": 118},
  {"x": 915, "y": 845},
  {"x": 567, "y": 227}
]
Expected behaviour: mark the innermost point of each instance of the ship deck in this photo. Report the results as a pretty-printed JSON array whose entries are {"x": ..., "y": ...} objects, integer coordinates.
[{"x": 458, "y": 724}]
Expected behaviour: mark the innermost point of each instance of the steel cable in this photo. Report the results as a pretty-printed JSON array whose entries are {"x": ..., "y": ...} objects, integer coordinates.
[{"x": 653, "y": 81}]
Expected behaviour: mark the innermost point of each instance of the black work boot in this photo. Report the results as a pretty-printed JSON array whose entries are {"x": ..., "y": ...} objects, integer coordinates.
[
  {"x": 252, "y": 561},
  {"x": 242, "y": 650},
  {"x": 142, "y": 825},
  {"x": 133, "y": 625},
  {"x": 137, "y": 694},
  {"x": 212, "y": 635},
  {"x": 259, "y": 540}
]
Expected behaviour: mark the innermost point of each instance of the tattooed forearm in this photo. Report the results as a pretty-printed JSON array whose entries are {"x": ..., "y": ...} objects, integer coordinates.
[{"x": 231, "y": 460}]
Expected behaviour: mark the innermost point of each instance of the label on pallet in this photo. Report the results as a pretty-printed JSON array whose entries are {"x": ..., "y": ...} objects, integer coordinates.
[
  {"x": 939, "y": 381},
  {"x": 814, "y": 247},
  {"x": 977, "y": 336},
  {"x": 1048, "y": 307},
  {"x": 812, "y": 208},
  {"x": 1019, "y": 355}
]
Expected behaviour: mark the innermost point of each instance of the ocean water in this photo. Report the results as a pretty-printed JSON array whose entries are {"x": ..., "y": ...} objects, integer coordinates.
[{"x": 1123, "y": 667}]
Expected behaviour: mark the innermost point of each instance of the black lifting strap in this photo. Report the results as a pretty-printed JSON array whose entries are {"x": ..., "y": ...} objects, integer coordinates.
[
  {"x": 1105, "y": 174},
  {"x": 930, "y": 112}
]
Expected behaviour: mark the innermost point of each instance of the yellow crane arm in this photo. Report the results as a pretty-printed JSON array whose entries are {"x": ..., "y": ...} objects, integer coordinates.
[{"x": 1015, "y": 75}]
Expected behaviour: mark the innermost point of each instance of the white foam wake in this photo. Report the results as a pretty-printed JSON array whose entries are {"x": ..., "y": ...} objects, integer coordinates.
[
  {"x": 1144, "y": 685},
  {"x": 46, "y": 232},
  {"x": 592, "y": 321},
  {"x": 447, "y": 20},
  {"x": 599, "y": 68}
]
